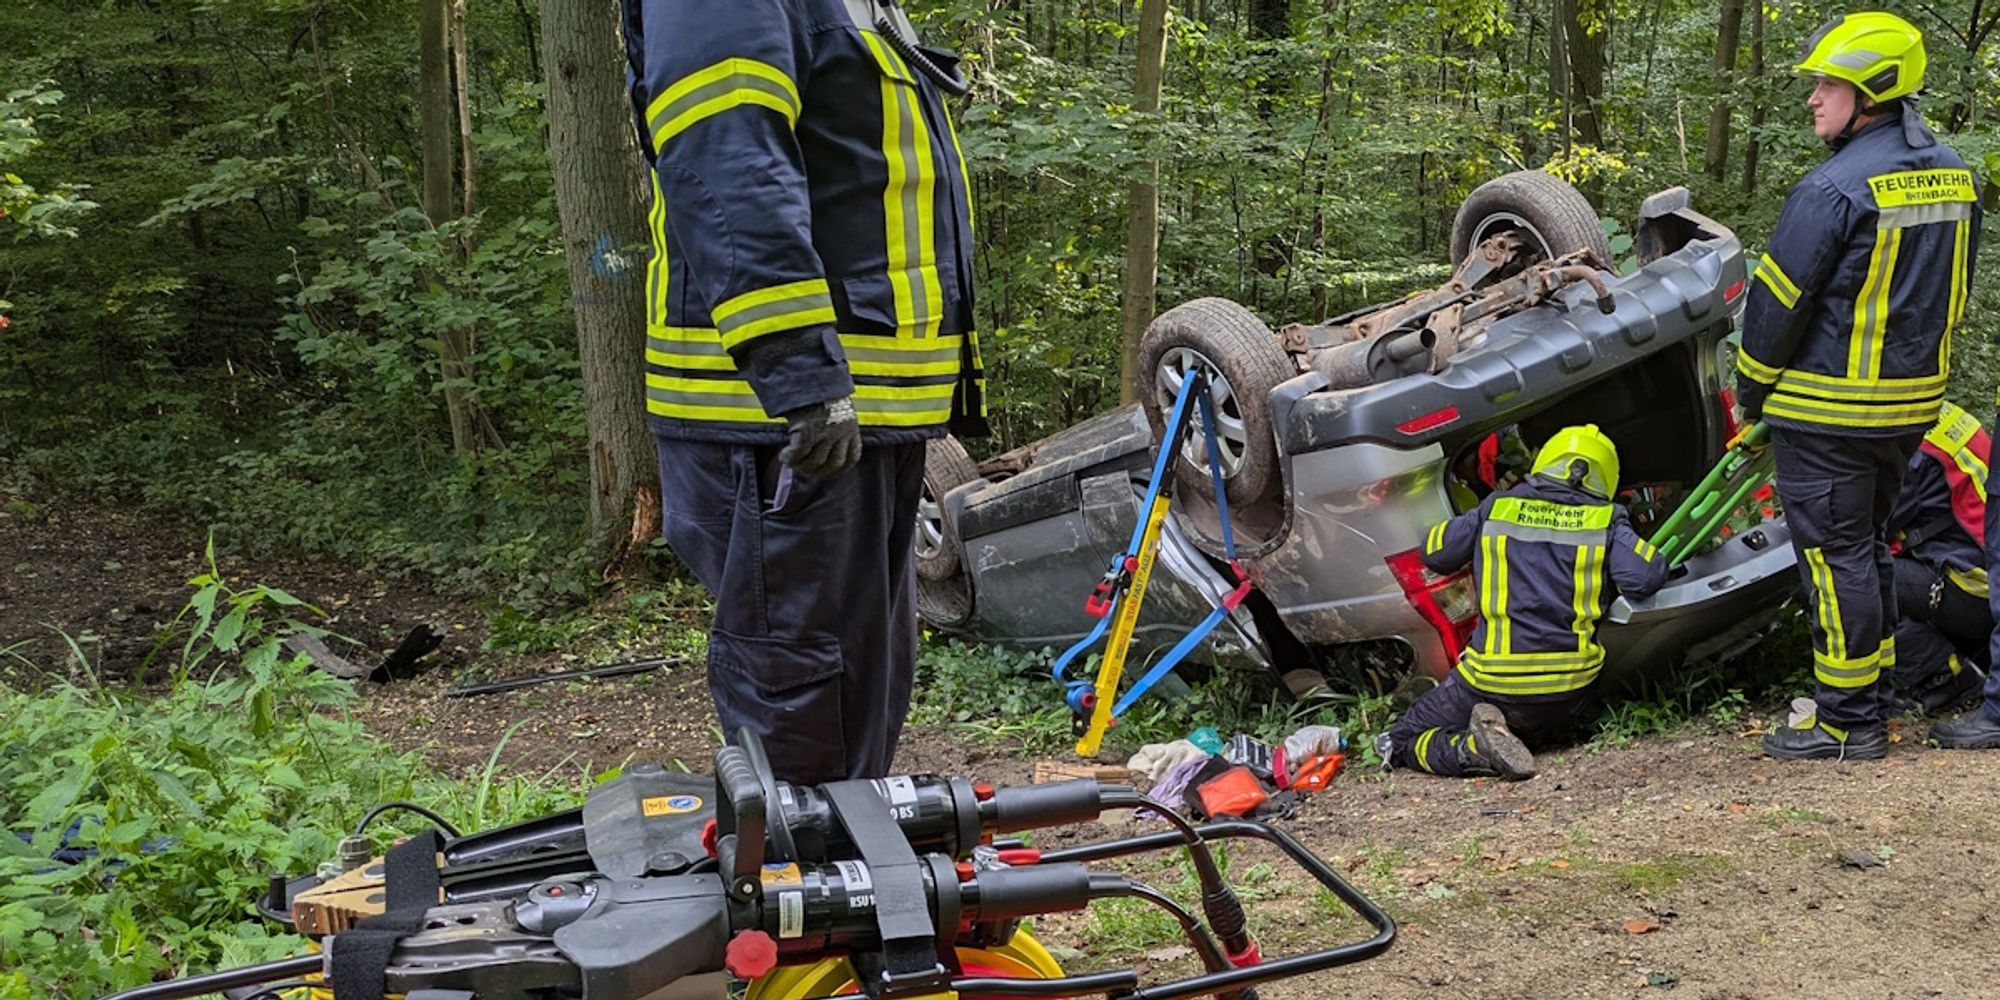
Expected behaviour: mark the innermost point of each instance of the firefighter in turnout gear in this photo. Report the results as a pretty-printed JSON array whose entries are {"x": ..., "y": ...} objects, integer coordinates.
[
  {"x": 1542, "y": 553},
  {"x": 809, "y": 327},
  {"x": 1846, "y": 346},
  {"x": 1938, "y": 534}
]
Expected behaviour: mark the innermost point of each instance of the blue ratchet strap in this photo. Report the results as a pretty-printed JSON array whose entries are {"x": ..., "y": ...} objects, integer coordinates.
[
  {"x": 1229, "y": 601},
  {"x": 1111, "y": 589}
]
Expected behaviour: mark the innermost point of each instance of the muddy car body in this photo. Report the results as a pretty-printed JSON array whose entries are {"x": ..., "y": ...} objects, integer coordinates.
[{"x": 1345, "y": 442}]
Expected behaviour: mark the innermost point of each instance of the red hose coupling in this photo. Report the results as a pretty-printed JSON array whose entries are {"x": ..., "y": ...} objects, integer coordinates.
[{"x": 1249, "y": 956}]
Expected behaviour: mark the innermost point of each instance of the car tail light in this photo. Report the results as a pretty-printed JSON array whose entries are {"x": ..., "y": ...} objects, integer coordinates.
[
  {"x": 1446, "y": 602},
  {"x": 1729, "y": 425},
  {"x": 1733, "y": 292},
  {"x": 1429, "y": 421}
]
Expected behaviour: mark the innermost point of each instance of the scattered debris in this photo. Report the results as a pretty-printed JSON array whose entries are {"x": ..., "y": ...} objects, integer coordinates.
[
  {"x": 1168, "y": 953},
  {"x": 400, "y": 665},
  {"x": 1056, "y": 770},
  {"x": 1636, "y": 927},
  {"x": 312, "y": 648},
  {"x": 1664, "y": 980},
  {"x": 611, "y": 670},
  {"x": 402, "y": 661},
  {"x": 1853, "y": 858}
]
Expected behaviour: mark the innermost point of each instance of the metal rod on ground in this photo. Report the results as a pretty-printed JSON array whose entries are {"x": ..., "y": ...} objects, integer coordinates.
[{"x": 611, "y": 670}]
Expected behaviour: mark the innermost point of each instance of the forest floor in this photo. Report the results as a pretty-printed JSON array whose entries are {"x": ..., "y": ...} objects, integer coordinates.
[{"x": 1682, "y": 862}]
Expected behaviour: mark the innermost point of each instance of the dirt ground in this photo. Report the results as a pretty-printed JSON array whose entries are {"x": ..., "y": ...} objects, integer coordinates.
[{"x": 1686, "y": 863}]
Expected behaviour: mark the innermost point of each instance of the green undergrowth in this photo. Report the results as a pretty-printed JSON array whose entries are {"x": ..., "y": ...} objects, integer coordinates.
[
  {"x": 1000, "y": 693},
  {"x": 187, "y": 800}
]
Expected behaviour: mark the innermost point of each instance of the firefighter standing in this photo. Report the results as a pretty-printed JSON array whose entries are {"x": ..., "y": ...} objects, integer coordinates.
[
  {"x": 1541, "y": 553},
  {"x": 1846, "y": 345},
  {"x": 1938, "y": 532},
  {"x": 809, "y": 326}
]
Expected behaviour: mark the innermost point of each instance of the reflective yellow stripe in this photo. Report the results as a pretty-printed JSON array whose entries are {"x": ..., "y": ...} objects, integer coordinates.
[
  {"x": 730, "y": 83},
  {"x": 1487, "y": 616},
  {"x": 1871, "y": 307},
  {"x": 729, "y": 398},
  {"x": 1916, "y": 389},
  {"x": 1781, "y": 285},
  {"x": 1850, "y": 414},
  {"x": 1885, "y": 656},
  {"x": 1645, "y": 550},
  {"x": 1827, "y": 603},
  {"x": 909, "y": 200},
  {"x": 1528, "y": 683},
  {"x": 1756, "y": 370},
  {"x": 1972, "y": 581},
  {"x": 788, "y": 306},
  {"x": 1499, "y": 624},
  {"x": 656, "y": 270},
  {"x": 1840, "y": 672},
  {"x": 1961, "y": 278},
  {"x": 1436, "y": 540},
  {"x": 1423, "y": 750}
]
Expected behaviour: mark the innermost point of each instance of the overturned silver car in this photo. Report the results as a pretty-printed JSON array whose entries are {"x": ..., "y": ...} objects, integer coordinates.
[{"x": 1344, "y": 442}]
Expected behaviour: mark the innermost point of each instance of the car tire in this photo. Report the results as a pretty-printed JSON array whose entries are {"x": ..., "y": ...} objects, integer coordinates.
[
  {"x": 1543, "y": 207},
  {"x": 947, "y": 466},
  {"x": 1246, "y": 361}
]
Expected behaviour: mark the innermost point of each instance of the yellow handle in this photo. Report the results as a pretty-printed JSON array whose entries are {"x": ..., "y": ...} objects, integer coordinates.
[{"x": 1113, "y": 668}]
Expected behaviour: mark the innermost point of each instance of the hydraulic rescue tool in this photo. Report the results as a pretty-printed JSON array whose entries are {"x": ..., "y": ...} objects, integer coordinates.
[
  {"x": 892, "y": 888},
  {"x": 1118, "y": 596},
  {"x": 1746, "y": 465}
]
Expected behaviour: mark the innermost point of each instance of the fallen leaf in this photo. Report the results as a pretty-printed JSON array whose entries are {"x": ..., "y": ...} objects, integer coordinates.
[
  {"x": 1559, "y": 863},
  {"x": 1169, "y": 953},
  {"x": 1737, "y": 808},
  {"x": 1640, "y": 927}
]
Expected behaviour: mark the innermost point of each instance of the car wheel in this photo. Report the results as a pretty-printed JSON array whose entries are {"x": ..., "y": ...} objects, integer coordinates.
[
  {"x": 1244, "y": 361},
  {"x": 1552, "y": 217},
  {"x": 946, "y": 467}
]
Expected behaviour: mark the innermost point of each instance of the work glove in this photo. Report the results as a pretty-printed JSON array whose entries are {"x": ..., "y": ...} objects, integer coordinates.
[{"x": 825, "y": 439}]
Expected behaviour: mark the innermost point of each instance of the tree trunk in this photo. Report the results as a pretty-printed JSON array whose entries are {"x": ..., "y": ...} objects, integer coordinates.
[
  {"x": 434, "y": 106},
  {"x": 599, "y": 184},
  {"x": 1562, "y": 13},
  {"x": 1727, "y": 38},
  {"x": 1753, "y": 148},
  {"x": 1586, "y": 30},
  {"x": 1142, "y": 230}
]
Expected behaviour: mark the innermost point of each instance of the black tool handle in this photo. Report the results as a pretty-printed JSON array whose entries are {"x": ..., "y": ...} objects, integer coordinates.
[
  {"x": 740, "y": 814},
  {"x": 1029, "y": 807}
]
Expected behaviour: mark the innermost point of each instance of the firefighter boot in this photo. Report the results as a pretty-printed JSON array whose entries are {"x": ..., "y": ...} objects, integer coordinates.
[
  {"x": 1975, "y": 730},
  {"x": 1807, "y": 738},
  {"x": 1493, "y": 745}
]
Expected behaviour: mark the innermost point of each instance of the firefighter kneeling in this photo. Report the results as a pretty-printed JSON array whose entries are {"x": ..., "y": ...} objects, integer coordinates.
[
  {"x": 1938, "y": 534},
  {"x": 1541, "y": 554}
]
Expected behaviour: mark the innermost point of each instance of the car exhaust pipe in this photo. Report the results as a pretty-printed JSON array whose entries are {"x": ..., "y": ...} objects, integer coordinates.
[{"x": 1377, "y": 359}]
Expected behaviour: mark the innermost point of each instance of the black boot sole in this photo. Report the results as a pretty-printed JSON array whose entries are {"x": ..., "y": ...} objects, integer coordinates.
[
  {"x": 1499, "y": 746},
  {"x": 1863, "y": 749},
  {"x": 1982, "y": 741}
]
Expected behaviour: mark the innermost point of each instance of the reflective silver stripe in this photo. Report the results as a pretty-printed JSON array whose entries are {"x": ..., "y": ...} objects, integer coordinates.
[
  {"x": 1904, "y": 216},
  {"x": 810, "y": 302},
  {"x": 1553, "y": 536},
  {"x": 863, "y": 402},
  {"x": 901, "y": 355}
]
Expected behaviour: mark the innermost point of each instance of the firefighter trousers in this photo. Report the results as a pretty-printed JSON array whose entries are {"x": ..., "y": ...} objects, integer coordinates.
[
  {"x": 814, "y": 642},
  {"x": 1990, "y": 698},
  {"x": 1838, "y": 492},
  {"x": 1942, "y": 630},
  {"x": 1434, "y": 735}
]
